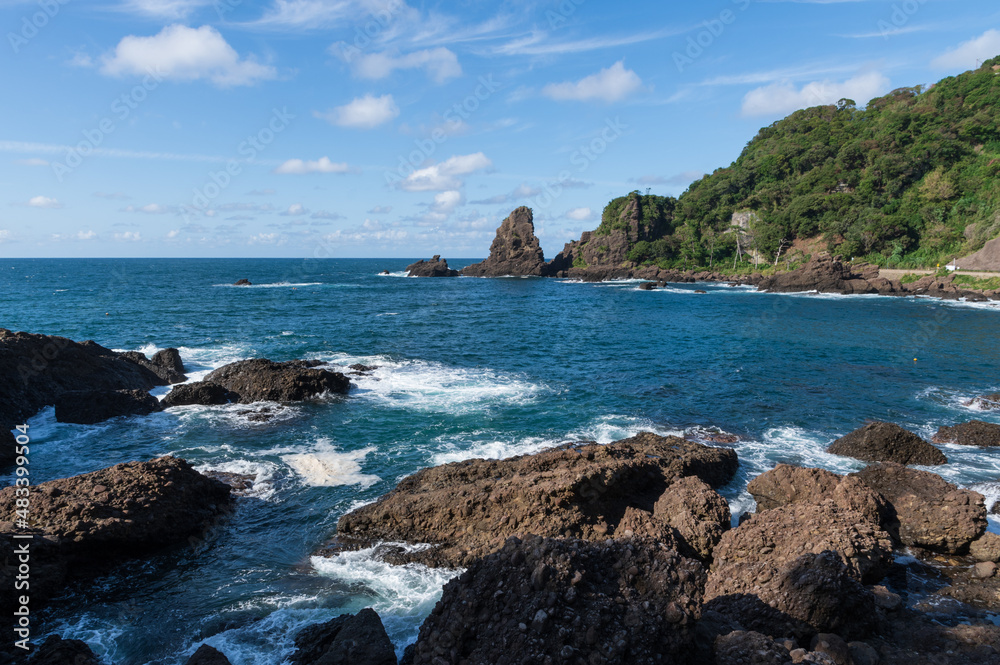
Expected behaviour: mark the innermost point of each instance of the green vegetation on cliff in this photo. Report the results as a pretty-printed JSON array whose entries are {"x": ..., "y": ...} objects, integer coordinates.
[{"x": 913, "y": 179}]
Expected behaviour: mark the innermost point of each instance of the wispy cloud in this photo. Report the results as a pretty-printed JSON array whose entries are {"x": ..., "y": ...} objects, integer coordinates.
[
  {"x": 366, "y": 112},
  {"x": 440, "y": 64},
  {"x": 539, "y": 43},
  {"x": 322, "y": 165},
  {"x": 968, "y": 54}
]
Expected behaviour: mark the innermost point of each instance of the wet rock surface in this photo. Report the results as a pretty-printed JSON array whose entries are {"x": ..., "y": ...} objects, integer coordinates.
[
  {"x": 468, "y": 509},
  {"x": 207, "y": 655},
  {"x": 931, "y": 512},
  {"x": 204, "y": 393},
  {"x": 82, "y": 524},
  {"x": 358, "y": 639},
  {"x": 164, "y": 364},
  {"x": 515, "y": 250},
  {"x": 436, "y": 267},
  {"x": 87, "y": 407},
  {"x": 887, "y": 442},
  {"x": 261, "y": 380},
  {"x": 986, "y": 402},
  {"x": 57, "y": 651},
  {"x": 35, "y": 370},
  {"x": 972, "y": 433},
  {"x": 567, "y": 601}
]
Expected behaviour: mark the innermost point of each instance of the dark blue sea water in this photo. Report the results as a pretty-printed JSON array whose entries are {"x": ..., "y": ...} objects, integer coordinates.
[{"x": 467, "y": 368}]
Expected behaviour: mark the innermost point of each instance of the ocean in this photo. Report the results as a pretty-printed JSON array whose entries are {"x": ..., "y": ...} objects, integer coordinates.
[{"x": 467, "y": 368}]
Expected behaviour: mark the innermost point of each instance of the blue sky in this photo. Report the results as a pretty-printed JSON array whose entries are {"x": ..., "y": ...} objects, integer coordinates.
[{"x": 393, "y": 128}]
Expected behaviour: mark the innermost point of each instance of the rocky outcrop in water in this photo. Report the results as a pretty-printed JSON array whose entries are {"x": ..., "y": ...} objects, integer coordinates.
[
  {"x": 358, "y": 639},
  {"x": 436, "y": 267},
  {"x": 261, "y": 380},
  {"x": 931, "y": 512},
  {"x": 243, "y": 282},
  {"x": 206, "y": 655},
  {"x": 614, "y": 602},
  {"x": 985, "y": 402},
  {"x": 887, "y": 442},
  {"x": 515, "y": 250},
  {"x": 35, "y": 370},
  {"x": 827, "y": 274},
  {"x": 972, "y": 433},
  {"x": 87, "y": 407},
  {"x": 164, "y": 364},
  {"x": 588, "y": 491},
  {"x": 204, "y": 393},
  {"x": 83, "y": 523},
  {"x": 57, "y": 651}
]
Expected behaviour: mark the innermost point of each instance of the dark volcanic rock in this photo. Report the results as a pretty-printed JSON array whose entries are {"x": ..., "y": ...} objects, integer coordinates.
[
  {"x": 204, "y": 393},
  {"x": 887, "y": 442},
  {"x": 81, "y": 524},
  {"x": 261, "y": 380},
  {"x": 785, "y": 484},
  {"x": 86, "y": 407},
  {"x": 347, "y": 640},
  {"x": 581, "y": 491},
  {"x": 617, "y": 602},
  {"x": 36, "y": 369},
  {"x": 206, "y": 655},
  {"x": 515, "y": 251},
  {"x": 167, "y": 373},
  {"x": 814, "y": 593},
  {"x": 932, "y": 513},
  {"x": 57, "y": 651},
  {"x": 749, "y": 648},
  {"x": 169, "y": 359},
  {"x": 243, "y": 282},
  {"x": 826, "y": 274},
  {"x": 986, "y": 402},
  {"x": 436, "y": 267},
  {"x": 783, "y": 534},
  {"x": 972, "y": 433}
]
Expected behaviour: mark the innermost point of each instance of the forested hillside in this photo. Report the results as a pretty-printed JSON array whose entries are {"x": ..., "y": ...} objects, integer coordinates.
[{"x": 912, "y": 179}]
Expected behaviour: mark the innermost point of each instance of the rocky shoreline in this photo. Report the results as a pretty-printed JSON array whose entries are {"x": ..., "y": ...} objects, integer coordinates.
[
  {"x": 622, "y": 553},
  {"x": 516, "y": 252}
]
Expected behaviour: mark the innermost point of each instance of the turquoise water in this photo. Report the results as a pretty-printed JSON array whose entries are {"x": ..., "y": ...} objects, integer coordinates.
[{"x": 467, "y": 368}]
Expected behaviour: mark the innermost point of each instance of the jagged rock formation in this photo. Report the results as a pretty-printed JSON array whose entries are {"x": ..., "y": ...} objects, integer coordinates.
[
  {"x": 358, "y": 639},
  {"x": 204, "y": 393},
  {"x": 436, "y": 267},
  {"x": 515, "y": 251},
  {"x": 586, "y": 491},
  {"x": 165, "y": 364}
]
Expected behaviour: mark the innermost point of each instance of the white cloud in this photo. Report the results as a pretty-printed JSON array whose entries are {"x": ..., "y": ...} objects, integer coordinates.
[
  {"x": 323, "y": 214},
  {"x": 580, "y": 214},
  {"x": 540, "y": 43},
  {"x": 150, "y": 209},
  {"x": 445, "y": 176},
  {"x": 440, "y": 64},
  {"x": 4, "y": 235},
  {"x": 86, "y": 235},
  {"x": 365, "y": 112},
  {"x": 446, "y": 202},
  {"x": 782, "y": 98},
  {"x": 33, "y": 161},
  {"x": 129, "y": 236},
  {"x": 685, "y": 178},
  {"x": 186, "y": 54},
  {"x": 971, "y": 53},
  {"x": 608, "y": 85},
  {"x": 267, "y": 239},
  {"x": 44, "y": 202},
  {"x": 380, "y": 210},
  {"x": 323, "y": 165},
  {"x": 173, "y": 234},
  {"x": 295, "y": 210}
]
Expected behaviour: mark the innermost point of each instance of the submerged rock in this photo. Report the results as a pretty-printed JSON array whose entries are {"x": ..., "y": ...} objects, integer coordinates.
[
  {"x": 515, "y": 250},
  {"x": 35, "y": 370},
  {"x": 87, "y": 407},
  {"x": 243, "y": 282},
  {"x": 436, "y": 267},
  {"x": 83, "y": 523},
  {"x": 887, "y": 442},
  {"x": 346, "y": 640},
  {"x": 931, "y": 512},
  {"x": 204, "y": 393},
  {"x": 468, "y": 509},
  {"x": 616, "y": 602},
  {"x": 261, "y": 380},
  {"x": 972, "y": 433}
]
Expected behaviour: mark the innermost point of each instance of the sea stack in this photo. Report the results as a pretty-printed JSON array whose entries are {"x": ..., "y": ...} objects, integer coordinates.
[{"x": 515, "y": 251}]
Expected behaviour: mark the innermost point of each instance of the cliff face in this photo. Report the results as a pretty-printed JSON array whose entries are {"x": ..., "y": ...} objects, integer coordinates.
[
  {"x": 626, "y": 222},
  {"x": 515, "y": 250}
]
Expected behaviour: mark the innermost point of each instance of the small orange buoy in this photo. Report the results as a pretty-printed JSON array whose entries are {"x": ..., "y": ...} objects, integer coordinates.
[{"x": 107, "y": 314}]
